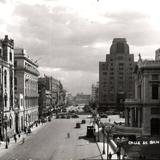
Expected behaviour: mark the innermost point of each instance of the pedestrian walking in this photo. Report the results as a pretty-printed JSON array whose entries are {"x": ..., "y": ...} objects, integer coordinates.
[
  {"x": 110, "y": 156},
  {"x": 15, "y": 138},
  {"x": 68, "y": 135},
  {"x": 8, "y": 139}
]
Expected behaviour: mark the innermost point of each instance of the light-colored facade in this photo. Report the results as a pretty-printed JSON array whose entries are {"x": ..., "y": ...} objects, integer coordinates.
[
  {"x": 144, "y": 111},
  {"x": 95, "y": 92},
  {"x": 26, "y": 83},
  {"x": 81, "y": 98},
  {"x": 116, "y": 80},
  {"x": 7, "y": 125}
]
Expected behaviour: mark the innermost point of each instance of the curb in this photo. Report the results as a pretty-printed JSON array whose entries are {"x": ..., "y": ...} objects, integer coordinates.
[{"x": 99, "y": 150}]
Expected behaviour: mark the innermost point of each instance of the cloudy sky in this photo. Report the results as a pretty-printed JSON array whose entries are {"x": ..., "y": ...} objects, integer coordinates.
[{"x": 70, "y": 37}]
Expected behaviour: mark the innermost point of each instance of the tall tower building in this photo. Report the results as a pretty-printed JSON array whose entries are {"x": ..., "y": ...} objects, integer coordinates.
[{"x": 116, "y": 76}]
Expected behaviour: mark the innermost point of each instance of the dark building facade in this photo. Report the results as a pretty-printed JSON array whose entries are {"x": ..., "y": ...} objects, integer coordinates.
[
  {"x": 116, "y": 80},
  {"x": 45, "y": 100}
]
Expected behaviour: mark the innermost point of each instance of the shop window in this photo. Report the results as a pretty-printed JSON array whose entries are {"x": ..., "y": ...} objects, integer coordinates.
[{"x": 154, "y": 91}]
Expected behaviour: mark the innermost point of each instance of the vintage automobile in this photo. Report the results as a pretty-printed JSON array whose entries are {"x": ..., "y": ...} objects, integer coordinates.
[
  {"x": 78, "y": 125},
  {"x": 83, "y": 121},
  {"x": 90, "y": 131}
]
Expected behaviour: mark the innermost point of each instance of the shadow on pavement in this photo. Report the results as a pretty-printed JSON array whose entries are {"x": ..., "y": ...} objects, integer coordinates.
[
  {"x": 91, "y": 140},
  {"x": 92, "y": 158}
]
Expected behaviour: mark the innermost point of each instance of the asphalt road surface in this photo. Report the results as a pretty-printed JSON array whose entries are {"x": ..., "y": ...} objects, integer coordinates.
[{"x": 51, "y": 143}]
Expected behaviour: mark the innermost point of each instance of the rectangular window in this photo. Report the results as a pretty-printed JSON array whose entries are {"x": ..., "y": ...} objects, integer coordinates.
[
  {"x": 121, "y": 64},
  {"x": 155, "y": 77},
  {"x": 10, "y": 56},
  {"x": 154, "y": 91},
  {"x": 15, "y": 63},
  {"x": 104, "y": 73},
  {"x": 120, "y": 47},
  {"x": 155, "y": 110}
]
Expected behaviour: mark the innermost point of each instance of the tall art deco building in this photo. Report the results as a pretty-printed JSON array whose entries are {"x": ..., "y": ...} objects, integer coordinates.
[{"x": 116, "y": 81}]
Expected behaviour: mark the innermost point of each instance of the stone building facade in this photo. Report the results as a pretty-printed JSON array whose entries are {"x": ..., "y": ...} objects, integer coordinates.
[
  {"x": 7, "y": 125},
  {"x": 26, "y": 83},
  {"x": 56, "y": 88},
  {"x": 144, "y": 111},
  {"x": 116, "y": 81}
]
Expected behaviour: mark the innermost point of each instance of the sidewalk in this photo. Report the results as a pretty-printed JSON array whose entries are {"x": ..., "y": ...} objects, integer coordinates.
[
  {"x": 23, "y": 136},
  {"x": 100, "y": 145}
]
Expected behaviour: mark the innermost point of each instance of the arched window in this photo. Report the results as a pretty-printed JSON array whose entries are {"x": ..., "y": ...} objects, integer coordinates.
[
  {"x": 10, "y": 122},
  {"x": 15, "y": 81},
  {"x": 10, "y": 56},
  {"x": 5, "y": 78}
]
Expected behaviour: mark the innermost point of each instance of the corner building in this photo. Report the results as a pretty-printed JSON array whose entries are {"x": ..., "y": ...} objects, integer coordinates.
[
  {"x": 144, "y": 111},
  {"x": 7, "y": 125},
  {"x": 116, "y": 80},
  {"x": 26, "y": 85}
]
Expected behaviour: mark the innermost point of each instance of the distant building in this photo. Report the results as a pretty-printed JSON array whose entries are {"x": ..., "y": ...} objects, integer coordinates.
[
  {"x": 7, "y": 118},
  {"x": 56, "y": 89},
  {"x": 95, "y": 92},
  {"x": 26, "y": 84},
  {"x": 157, "y": 55},
  {"x": 144, "y": 111},
  {"x": 116, "y": 80},
  {"x": 69, "y": 99},
  {"x": 45, "y": 100},
  {"x": 81, "y": 98}
]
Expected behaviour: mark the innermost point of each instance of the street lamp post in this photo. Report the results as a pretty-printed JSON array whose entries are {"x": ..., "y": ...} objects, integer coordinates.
[
  {"x": 108, "y": 130},
  {"x": 5, "y": 126},
  {"x": 119, "y": 148},
  {"x": 98, "y": 130},
  {"x": 103, "y": 139}
]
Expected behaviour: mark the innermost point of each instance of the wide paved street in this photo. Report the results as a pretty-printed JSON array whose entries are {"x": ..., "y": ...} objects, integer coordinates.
[{"x": 51, "y": 143}]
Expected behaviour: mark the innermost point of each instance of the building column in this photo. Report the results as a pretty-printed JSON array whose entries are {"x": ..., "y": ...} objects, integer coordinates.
[
  {"x": 132, "y": 117},
  {"x": 127, "y": 116},
  {"x": 139, "y": 117}
]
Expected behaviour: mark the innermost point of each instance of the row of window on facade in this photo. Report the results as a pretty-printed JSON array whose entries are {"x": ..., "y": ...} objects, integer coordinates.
[
  {"x": 120, "y": 66},
  {"x": 31, "y": 102},
  {"x": 10, "y": 54}
]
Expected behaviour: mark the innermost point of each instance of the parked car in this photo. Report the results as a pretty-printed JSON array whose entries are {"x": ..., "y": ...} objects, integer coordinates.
[
  {"x": 43, "y": 120},
  {"x": 78, "y": 125},
  {"x": 75, "y": 116},
  {"x": 57, "y": 116},
  {"x": 68, "y": 116},
  {"x": 49, "y": 119},
  {"x": 83, "y": 121},
  {"x": 63, "y": 116},
  {"x": 103, "y": 115}
]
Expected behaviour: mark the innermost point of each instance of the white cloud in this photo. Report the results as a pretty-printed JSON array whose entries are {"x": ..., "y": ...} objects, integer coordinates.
[{"x": 71, "y": 36}]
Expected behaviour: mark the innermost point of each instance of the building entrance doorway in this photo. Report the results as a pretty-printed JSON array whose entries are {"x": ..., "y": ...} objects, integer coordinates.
[
  {"x": 17, "y": 123},
  {"x": 155, "y": 126}
]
